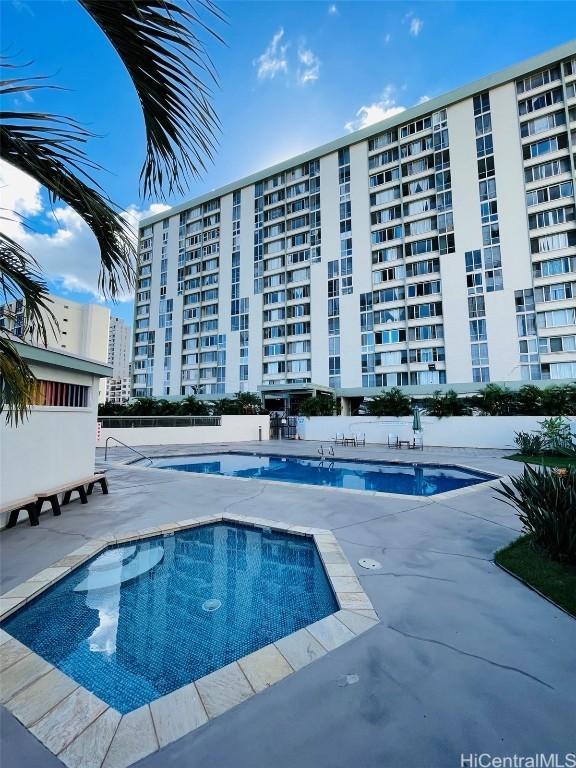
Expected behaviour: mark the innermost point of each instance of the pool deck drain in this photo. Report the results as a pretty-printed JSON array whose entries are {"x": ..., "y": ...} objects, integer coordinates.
[{"x": 82, "y": 730}]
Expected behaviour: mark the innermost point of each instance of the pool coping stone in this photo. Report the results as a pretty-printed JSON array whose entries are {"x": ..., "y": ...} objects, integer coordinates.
[{"x": 100, "y": 736}]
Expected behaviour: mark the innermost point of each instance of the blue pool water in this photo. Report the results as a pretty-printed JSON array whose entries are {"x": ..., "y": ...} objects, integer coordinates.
[
  {"x": 410, "y": 479},
  {"x": 144, "y": 618}
]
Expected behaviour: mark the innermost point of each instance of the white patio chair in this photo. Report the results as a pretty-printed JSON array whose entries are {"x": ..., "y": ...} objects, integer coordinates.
[
  {"x": 360, "y": 438},
  {"x": 418, "y": 441},
  {"x": 392, "y": 440}
]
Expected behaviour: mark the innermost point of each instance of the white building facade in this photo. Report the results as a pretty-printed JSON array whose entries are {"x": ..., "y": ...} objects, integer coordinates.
[
  {"x": 118, "y": 386},
  {"x": 435, "y": 248},
  {"x": 80, "y": 329}
]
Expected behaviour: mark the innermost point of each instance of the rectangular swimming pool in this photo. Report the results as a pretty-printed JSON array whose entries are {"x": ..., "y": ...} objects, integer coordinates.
[{"x": 410, "y": 479}]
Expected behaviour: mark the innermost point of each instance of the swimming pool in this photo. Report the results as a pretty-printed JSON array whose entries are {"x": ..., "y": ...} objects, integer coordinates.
[
  {"x": 144, "y": 618},
  {"x": 410, "y": 479}
]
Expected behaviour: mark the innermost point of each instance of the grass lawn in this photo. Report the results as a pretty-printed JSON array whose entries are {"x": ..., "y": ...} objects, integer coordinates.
[
  {"x": 555, "y": 580},
  {"x": 548, "y": 461}
]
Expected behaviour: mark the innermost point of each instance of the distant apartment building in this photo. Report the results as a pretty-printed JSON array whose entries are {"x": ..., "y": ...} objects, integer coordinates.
[
  {"x": 436, "y": 247},
  {"x": 118, "y": 386},
  {"x": 80, "y": 329}
]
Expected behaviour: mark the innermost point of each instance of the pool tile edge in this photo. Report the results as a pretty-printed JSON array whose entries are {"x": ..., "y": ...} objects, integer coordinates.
[{"x": 110, "y": 735}]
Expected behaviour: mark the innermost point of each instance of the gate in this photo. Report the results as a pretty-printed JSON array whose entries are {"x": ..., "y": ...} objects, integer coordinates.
[{"x": 283, "y": 427}]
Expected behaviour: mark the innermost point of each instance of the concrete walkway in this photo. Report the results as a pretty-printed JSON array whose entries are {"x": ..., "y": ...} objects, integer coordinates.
[{"x": 465, "y": 659}]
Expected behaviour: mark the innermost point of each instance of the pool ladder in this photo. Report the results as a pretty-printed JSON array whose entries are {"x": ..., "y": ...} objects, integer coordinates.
[{"x": 324, "y": 456}]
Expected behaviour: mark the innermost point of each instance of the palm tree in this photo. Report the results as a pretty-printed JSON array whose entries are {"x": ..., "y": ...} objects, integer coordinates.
[{"x": 172, "y": 74}]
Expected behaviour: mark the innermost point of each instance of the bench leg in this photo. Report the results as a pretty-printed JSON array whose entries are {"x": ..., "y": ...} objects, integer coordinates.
[
  {"x": 66, "y": 498},
  {"x": 82, "y": 493},
  {"x": 32, "y": 510},
  {"x": 55, "y": 505},
  {"x": 103, "y": 485},
  {"x": 13, "y": 519},
  {"x": 32, "y": 515}
]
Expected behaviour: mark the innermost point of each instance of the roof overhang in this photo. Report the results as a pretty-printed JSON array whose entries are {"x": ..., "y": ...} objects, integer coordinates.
[{"x": 58, "y": 359}]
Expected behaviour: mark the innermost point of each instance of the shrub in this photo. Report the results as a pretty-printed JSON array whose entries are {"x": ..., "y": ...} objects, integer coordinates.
[
  {"x": 447, "y": 404},
  {"x": 556, "y": 434},
  {"x": 529, "y": 443},
  {"x": 390, "y": 403},
  {"x": 242, "y": 404},
  {"x": 556, "y": 401},
  {"x": 322, "y": 405},
  {"x": 528, "y": 400},
  {"x": 546, "y": 503},
  {"x": 494, "y": 400},
  {"x": 142, "y": 406},
  {"x": 110, "y": 409},
  {"x": 190, "y": 406}
]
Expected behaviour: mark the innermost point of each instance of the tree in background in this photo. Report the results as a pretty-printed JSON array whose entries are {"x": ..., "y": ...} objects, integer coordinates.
[
  {"x": 243, "y": 404},
  {"x": 171, "y": 71},
  {"x": 190, "y": 406},
  {"x": 391, "y": 402},
  {"x": 448, "y": 403},
  {"x": 494, "y": 400},
  {"x": 322, "y": 405}
]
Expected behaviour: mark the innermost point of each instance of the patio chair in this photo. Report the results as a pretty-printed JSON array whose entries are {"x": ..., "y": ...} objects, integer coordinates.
[
  {"x": 339, "y": 439},
  {"x": 392, "y": 440},
  {"x": 418, "y": 441},
  {"x": 360, "y": 438}
]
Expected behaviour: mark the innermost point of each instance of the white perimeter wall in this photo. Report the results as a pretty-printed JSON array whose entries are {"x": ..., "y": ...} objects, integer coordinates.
[
  {"x": 233, "y": 429},
  {"x": 52, "y": 447},
  {"x": 455, "y": 431}
]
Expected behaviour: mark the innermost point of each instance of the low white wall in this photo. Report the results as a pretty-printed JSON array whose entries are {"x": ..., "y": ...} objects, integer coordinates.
[
  {"x": 452, "y": 431},
  {"x": 232, "y": 429},
  {"x": 52, "y": 447}
]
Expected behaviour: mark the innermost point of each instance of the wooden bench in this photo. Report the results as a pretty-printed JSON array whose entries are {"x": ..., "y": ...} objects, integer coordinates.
[
  {"x": 99, "y": 478},
  {"x": 83, "y": 488},
  {"x": 14, "y": 507}
]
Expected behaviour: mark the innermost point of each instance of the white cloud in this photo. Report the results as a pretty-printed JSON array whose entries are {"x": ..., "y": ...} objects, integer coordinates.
[
  {"x": 387, "y": 38},
  {"x": 333, "y": 10},
  {"x": 416, "y": 24},
  {"x": 308, "y": 66},
  {"x": 423, "y": 99},
  {"x": 68, "y": 254},
  {"x": 302, "y": 68},
  {"x": 274, "y": 60},
  {"x": 377, "y": 111}
]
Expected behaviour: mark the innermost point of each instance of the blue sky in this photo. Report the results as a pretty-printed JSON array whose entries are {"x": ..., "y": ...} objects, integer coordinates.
[{"x": 292, "y": 75}]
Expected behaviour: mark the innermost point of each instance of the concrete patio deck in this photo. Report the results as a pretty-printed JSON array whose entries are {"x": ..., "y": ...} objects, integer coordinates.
[{"x": 464, "y": 660}]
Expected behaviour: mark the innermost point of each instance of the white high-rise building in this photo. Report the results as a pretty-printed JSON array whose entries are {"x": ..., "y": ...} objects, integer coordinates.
[
  {"x": 119, "y": 347},
  {"x": 80, "y": 329},
  {"x": 437, "y": 247}
]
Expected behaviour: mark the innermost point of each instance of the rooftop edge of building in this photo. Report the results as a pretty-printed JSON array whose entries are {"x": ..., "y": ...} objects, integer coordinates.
[{"x": 493, "y": 80}]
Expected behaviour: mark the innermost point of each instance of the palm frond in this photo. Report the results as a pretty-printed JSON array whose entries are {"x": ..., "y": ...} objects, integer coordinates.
[
  {"x": 170, "y": 69},
  {"x": 49, "y": 148},
  {"x": 17, "y": 383},
  {"x": 20, "y": 278}
]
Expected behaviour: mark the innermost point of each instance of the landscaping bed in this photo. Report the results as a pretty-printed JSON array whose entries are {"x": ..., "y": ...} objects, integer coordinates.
[
  {"x": 547, "y": 461},
  {"x": 531, "y": 564}
]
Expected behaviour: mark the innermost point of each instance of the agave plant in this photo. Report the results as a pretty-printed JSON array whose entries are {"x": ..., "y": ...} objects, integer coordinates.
[
  {"x": 158, "y": 43},
  {"x": 546, "y": 503}
]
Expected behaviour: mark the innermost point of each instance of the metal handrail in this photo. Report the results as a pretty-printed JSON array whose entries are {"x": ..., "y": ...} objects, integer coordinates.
[{"x": 125, "y": 446}]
